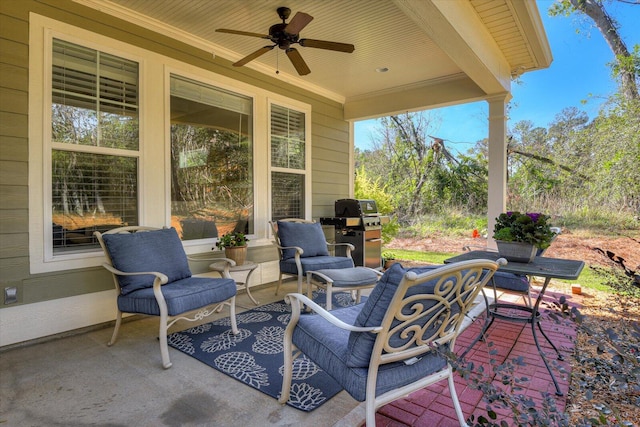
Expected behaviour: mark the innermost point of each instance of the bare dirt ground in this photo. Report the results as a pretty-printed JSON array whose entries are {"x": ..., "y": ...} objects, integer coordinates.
[
  {"x": 593, "y": 391},
  {"x": 567, "y": 245}
]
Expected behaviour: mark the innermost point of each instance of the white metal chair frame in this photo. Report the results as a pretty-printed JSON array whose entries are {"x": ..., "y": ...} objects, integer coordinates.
[
  {"x": 160, "y": 279},
  {"x": 299, "y": 251},
  {"x": 476, "y": 274}
]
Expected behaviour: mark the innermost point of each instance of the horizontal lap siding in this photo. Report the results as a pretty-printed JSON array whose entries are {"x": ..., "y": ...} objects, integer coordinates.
[
  {"x": 330, "y": 164},
  {"x": 14, "y": 146},
  {"x": 329, "y": 139}
]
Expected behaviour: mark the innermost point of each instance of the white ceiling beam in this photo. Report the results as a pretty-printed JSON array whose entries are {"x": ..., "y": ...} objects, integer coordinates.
[
  {"x": 457, "y": 29},
  {"x": 413, "y": 98}
]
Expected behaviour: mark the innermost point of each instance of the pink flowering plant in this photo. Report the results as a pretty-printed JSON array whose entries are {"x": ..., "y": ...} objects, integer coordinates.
[{"x": 527, "y": 228}]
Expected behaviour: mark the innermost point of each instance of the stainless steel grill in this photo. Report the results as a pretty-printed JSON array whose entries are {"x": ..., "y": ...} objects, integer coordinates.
[{"x": 359, "y": 223}]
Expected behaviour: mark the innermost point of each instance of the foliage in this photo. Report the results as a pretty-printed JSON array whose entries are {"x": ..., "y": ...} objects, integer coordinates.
[
  {"x": 388, "y": 255},
  {"x": 232, "y": 240},
  {"x": 626, "y": 67},
  {"x": 423, "y": 174},
  {"x": 456, "y": 222},
  {"x": 527, "y": 228},
  {"x": 522, "y": 408},
  {"x": 367, "y": 188},
  {"x": 614, "y": 366}
]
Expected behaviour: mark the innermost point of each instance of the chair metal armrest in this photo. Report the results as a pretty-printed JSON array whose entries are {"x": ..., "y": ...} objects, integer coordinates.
[
  {"x": 163, "y": 278},
  {"x": 205, "y": 257},
  {"x": 296, "y": 299},
  {"x": 298, "y": 249},
  {"x": 349, "y": 245}
]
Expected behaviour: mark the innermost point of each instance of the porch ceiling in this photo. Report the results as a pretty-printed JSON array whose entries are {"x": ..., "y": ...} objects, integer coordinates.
[{"x": 438, "y": 52}]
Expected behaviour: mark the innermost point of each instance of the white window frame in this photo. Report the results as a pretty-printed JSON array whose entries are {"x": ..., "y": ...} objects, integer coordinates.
[
  {"x": 306, "y": 172},
  {"x": 154, "y": 186},
  {"x": 204, "y": 77},
  {"x": 42, "y": 32}
]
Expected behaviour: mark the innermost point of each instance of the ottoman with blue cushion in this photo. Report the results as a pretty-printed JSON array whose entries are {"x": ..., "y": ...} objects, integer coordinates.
[{"x": 345, "y": 279}]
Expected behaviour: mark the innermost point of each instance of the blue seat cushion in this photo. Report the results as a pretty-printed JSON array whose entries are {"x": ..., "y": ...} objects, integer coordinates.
[
  {"x": 374, "y": 309},
  {"x": 156, "y": 250},
  {"x": 349, "y": 277},
  {"x": 328, "y": 346},
  {"x": 181, "y": 296},
  {"x": 315, "y": 263},
  {"x": 308, "y": 236},
  {"x": 511, "y": 282}
]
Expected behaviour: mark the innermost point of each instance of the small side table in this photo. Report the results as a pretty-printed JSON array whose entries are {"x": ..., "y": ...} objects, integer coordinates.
[{"x": 247, "y": 268}]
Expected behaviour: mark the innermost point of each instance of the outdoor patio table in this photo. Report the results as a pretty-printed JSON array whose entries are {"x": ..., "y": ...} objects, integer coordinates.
[{"x": 549, "y": 268}]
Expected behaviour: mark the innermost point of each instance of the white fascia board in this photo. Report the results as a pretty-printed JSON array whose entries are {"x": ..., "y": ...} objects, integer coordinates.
[{"x": 530, "y": 22}]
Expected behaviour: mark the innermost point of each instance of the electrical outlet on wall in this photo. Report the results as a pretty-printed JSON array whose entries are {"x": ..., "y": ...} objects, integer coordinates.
[{"x": 10, "y": 295}]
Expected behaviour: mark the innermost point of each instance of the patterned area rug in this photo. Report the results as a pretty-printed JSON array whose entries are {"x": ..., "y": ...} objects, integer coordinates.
[{"x": 255, "y": 356}]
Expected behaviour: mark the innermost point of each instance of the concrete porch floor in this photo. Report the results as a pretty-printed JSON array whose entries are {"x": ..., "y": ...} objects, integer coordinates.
[{"x": 79, "y": 381}]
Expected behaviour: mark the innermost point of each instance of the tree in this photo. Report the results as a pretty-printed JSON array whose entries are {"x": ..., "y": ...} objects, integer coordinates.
[{"x": 626, "y": 66}]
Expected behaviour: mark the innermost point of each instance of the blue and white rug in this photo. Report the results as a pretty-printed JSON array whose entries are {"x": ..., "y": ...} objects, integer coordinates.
[{"x": 255, "y": 355}]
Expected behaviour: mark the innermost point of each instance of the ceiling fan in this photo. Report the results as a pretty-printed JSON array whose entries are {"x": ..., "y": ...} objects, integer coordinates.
[{"x": 284, "y": 35}]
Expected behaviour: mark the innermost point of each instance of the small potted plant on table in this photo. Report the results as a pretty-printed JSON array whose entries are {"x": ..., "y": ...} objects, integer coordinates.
[
  {"x": 234, "y": 245},
  {"x": 519, "y": 236}
]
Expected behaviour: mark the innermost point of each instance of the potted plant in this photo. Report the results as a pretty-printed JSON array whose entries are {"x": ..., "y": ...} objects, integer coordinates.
[
  {"x": 234, "y": 245},
  {"x": 519, "y": 236},
  {"x": 388, "y": 259}
]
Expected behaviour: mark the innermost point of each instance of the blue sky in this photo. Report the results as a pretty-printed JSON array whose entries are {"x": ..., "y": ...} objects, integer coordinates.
[{"x": 578, "y": 72}]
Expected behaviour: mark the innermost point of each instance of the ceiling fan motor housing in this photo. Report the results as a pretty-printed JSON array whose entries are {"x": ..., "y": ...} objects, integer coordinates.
[
  {"x": 279, "y": 36},
  {"x": 284, "y": 35},
  {"x": 283, "y": 13}
]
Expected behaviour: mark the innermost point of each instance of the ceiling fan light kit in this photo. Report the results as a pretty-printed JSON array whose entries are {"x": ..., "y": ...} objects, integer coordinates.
[{"x": 284, "y": 35}]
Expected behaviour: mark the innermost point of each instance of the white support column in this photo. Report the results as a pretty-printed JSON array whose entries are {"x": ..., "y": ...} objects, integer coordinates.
[{"x": 497, "y": 200}]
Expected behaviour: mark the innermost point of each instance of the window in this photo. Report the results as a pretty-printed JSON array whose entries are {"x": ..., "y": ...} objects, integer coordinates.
[
  {"x": 288, "y": 163},
  {"x": 211, "y": 160},
  {"x": 119, "y": 135},
  {"x": 94, "y": 141}
]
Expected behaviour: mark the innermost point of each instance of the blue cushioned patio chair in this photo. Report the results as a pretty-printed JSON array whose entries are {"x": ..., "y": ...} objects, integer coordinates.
[
  {"x": 395, "y": 342},
  {"x": 514, "y": 283},
  {"x": 152, "y": 276},
  {"x": 302, "y": 247}
]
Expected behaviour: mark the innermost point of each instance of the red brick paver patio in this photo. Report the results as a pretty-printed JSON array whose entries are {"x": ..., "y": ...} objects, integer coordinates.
[{"x": 432, "y": 406}]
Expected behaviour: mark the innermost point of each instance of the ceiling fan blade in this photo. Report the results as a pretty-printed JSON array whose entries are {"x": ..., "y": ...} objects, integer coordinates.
[
  {"x": 253, "y": 56},
  {"x": 297, "y": 61},
  {"x": 242, "y": 33},
  {"x": 298, "y": 23},
  {"x": 322, "y": 44}
]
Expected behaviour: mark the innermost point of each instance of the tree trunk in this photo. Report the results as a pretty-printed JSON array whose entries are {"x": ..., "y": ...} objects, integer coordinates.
[{"x": 595, "y": 10}]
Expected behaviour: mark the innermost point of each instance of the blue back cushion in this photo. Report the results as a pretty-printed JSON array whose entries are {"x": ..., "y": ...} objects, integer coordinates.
[
  {"x": 308, "y": 236},
  {"x": 157, "y": 250},
  {"x": 373, "y": 311}
]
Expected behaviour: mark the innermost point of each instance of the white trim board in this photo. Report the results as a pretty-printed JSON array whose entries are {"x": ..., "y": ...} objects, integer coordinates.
[{"x": 30, "y": 321}]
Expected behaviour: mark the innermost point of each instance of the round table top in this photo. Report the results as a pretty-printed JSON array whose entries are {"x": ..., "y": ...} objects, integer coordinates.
[{"x": 219, "y": 266}]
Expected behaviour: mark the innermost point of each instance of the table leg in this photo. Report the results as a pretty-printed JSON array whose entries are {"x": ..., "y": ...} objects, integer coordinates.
[
  {"x": 246, "y": 286},
  {"x": 488, "y": 321},
  {"x": 535, "y": 321}
]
